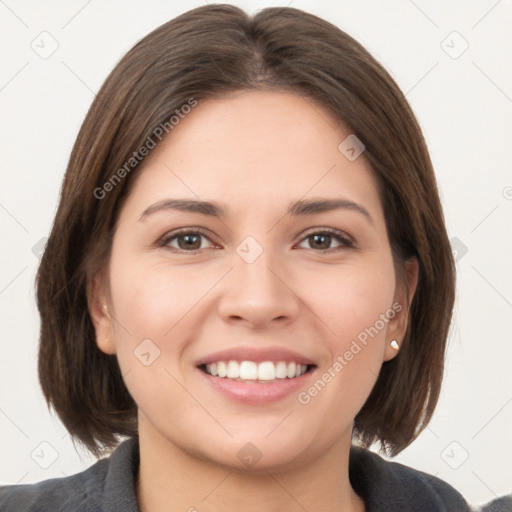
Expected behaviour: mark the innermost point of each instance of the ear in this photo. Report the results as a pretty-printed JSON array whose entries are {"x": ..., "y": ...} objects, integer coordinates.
[
  {"x": 98, "y": 303},
  {"x": 403, "y": 297}
]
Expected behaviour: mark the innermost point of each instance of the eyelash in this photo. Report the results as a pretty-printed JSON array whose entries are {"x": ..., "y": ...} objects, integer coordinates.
[{"x": 338, "y": 236}]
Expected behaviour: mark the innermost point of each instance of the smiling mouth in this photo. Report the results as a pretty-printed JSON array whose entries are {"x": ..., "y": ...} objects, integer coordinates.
[{"x": 250, "y": 371}]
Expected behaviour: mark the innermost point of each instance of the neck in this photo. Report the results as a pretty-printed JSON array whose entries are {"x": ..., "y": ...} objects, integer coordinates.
[{"x": 171, "y": 479}]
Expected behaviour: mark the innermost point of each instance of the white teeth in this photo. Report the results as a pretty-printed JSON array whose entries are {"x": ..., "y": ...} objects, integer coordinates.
[
  {"x": 221, "y": 369},
  {"x": 266, "y": 371},
  {"x": 281, "y": 370},
  {"x": 249, "y": 370},
  {"x": 233, "y": 370}
]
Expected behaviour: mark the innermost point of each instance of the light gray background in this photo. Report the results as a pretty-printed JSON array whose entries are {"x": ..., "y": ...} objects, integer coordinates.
[{"x": 464, "y": 105}]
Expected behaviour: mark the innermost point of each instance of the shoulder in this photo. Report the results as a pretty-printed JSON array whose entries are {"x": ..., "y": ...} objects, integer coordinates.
[
  {"x": 391, "y": 486},
  {"x": 77, "y": 492},
  {"x": 101, "y": 488},
  {"x": 503, "y": 504}
]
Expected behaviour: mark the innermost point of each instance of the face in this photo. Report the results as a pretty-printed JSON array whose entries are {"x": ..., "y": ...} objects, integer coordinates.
[{"x": 297, "y": 305}]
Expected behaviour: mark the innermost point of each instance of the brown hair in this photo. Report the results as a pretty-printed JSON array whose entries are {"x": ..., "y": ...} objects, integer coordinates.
[{"x": 204, "y": 53}]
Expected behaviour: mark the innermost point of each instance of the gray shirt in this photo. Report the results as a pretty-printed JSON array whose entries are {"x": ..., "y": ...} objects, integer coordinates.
[{"x": 109, "y": 486}]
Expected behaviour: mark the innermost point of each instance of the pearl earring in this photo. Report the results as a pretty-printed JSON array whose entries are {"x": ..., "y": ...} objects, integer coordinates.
[{"x": 395, "y": 345}]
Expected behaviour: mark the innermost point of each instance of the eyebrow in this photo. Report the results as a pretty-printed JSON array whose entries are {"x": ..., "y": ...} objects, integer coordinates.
[{"x": 295, "y": 209}]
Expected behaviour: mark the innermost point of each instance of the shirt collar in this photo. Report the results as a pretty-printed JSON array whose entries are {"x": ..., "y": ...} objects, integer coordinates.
[{"x": 381, "y": 484}]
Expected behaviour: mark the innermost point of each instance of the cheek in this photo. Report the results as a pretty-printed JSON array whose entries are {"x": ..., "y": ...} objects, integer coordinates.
[
  {"x": 355, "y": 305},
  {"x": 149, "y": 308},
  {"x": 155, "y": 300},
  {"x": 158, "y": 302},
  {"x": 151, "y": 298},
  {"x": 352, "y": 299}
]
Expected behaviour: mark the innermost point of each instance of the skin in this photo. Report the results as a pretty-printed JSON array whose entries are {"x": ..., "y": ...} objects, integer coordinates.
[{"x": 253, "y": 152}]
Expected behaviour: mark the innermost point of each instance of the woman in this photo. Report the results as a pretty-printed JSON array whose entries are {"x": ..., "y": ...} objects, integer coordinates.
[{"x": 248, "y": 276}]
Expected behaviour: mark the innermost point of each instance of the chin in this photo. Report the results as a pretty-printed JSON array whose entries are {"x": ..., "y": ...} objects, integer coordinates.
[{"x": 255, "y": 451}]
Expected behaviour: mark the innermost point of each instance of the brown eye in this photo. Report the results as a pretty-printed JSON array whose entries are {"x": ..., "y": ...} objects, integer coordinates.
[
  {"x": 322, "y": 240},
  {"x": 186, "y": 241},
  {"x": 191, "y": 241}
]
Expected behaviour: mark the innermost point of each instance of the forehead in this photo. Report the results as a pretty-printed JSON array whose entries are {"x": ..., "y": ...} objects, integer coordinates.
[{"x": 260, "y": 149}]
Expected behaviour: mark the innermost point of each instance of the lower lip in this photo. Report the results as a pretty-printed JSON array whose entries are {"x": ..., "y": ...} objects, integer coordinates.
[{"x": 255, "y": 393}]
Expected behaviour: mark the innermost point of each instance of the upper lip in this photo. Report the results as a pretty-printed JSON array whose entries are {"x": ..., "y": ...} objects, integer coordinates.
[{"x": 258, "y": 355}]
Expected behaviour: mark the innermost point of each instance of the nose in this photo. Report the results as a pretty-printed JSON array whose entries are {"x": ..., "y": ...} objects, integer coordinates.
[{"x": 259, "y": 293}]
